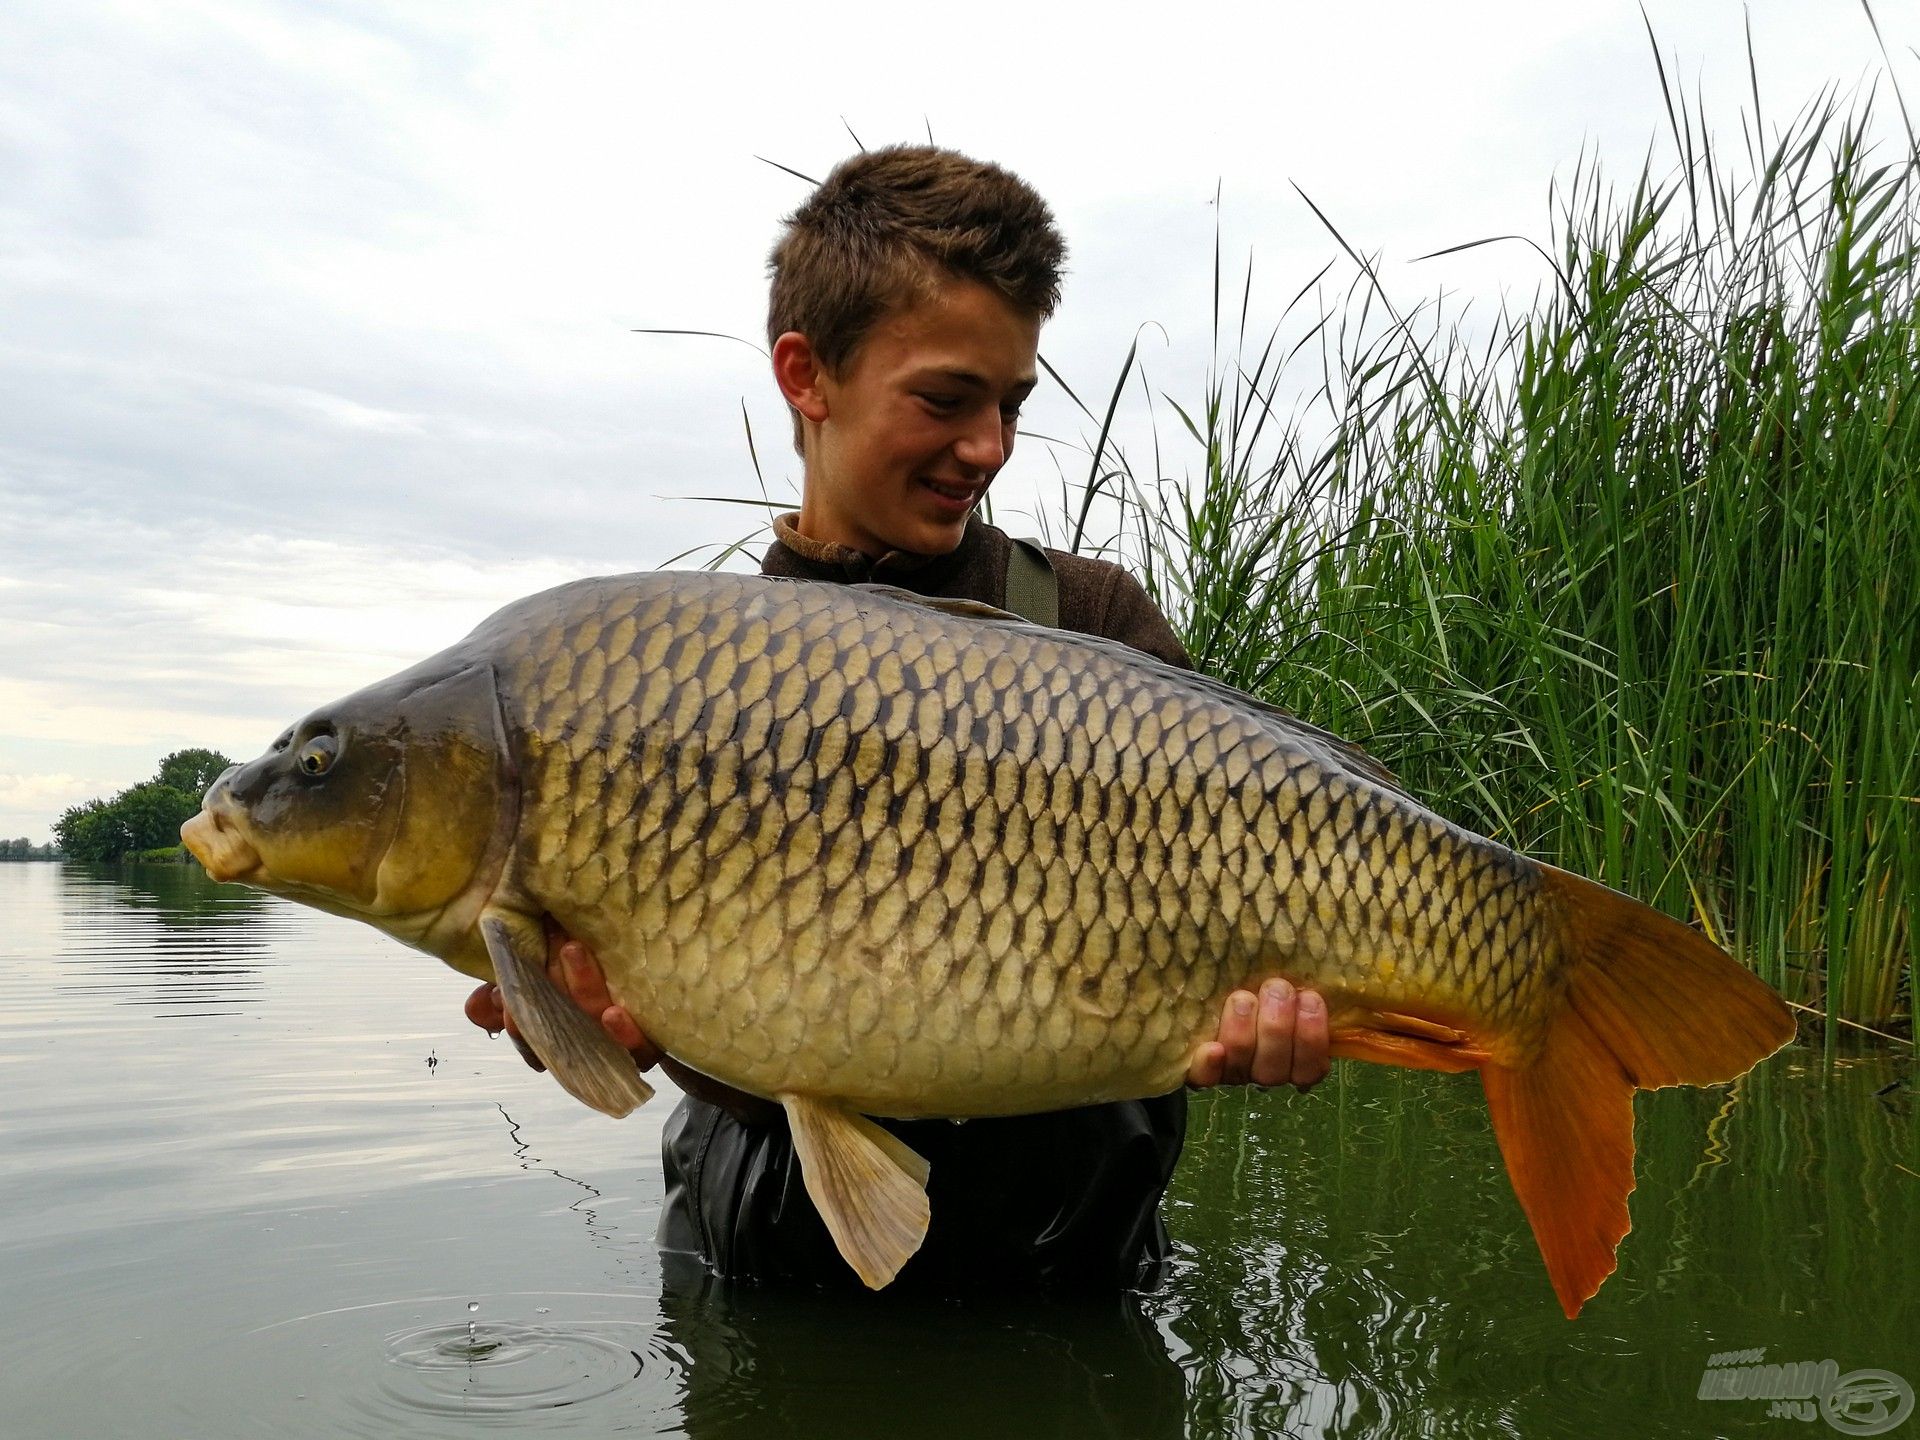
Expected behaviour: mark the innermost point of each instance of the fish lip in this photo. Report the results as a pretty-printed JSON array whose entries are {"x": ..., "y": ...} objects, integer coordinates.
[{"x": 222, "y": 851}]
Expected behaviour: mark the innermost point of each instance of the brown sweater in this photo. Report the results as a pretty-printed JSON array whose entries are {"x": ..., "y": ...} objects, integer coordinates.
[
  {"x": 1096, "y": 598},
  {"x": 1066, "y": 1200}
]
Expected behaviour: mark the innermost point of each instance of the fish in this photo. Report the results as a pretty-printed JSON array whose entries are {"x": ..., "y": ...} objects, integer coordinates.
[{"x": 868, "y": 854}]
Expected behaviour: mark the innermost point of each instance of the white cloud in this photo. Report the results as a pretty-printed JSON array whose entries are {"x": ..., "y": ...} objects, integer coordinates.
[{"x": 28, "y": 803}]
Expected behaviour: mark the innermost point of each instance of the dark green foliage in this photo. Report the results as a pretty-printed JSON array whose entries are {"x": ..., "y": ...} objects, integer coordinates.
[
  {"x": 175, "y": 854},
  {"x": 143, "y": 817},
  {"x": 192, "y": 770},
  {"x": 153, "y": 814},
  {"x": 92, "y": 830}
]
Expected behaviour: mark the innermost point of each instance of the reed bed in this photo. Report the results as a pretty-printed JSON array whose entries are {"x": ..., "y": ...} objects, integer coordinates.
[{"x": 1629, "y": 576}]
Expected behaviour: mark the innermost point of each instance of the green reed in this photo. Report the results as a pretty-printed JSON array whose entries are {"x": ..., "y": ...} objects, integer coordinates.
[{"x": 1628, "y": 577}]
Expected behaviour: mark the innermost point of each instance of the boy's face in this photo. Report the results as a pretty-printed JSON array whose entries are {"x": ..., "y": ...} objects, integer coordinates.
[{"x": 903, "y": 443}]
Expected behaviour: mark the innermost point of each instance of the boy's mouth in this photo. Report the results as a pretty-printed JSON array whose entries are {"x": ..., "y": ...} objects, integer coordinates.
[{"x": 958, "y": 494}]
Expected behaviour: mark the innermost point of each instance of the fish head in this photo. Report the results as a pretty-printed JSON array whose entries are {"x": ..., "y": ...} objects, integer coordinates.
[{"x": 389, "y": 805}]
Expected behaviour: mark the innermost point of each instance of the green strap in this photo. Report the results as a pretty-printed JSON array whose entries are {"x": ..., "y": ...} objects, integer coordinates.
[{"x": 1033, "y": 590}]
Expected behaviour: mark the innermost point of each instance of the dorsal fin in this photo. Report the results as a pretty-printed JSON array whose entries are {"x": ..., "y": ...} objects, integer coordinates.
[{"x": 1345, "y": 751}]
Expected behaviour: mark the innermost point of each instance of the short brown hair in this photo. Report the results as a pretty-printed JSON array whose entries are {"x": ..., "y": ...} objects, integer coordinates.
[{"x": 887, "y": 225}]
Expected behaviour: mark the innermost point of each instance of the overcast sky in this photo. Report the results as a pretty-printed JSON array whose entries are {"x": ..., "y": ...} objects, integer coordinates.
[{"x": 315, "y": 318}]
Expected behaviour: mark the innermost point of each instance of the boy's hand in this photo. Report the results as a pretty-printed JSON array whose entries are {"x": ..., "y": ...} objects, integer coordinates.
[
  {"x": 576, "y": 974},
  {"x": 572, "y": 968},
  {"x": 1278, "y": 1038}
]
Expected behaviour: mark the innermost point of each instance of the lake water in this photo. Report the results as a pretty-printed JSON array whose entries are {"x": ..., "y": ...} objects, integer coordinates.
[{"x": 256, "y": 1173}]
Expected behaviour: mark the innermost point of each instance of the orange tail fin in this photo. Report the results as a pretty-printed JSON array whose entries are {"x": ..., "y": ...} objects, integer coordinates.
[{"x": 1648, "y": 1003}]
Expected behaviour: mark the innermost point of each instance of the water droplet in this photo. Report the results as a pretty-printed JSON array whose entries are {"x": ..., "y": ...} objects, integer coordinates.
[{"x": 473, "y": 1307}]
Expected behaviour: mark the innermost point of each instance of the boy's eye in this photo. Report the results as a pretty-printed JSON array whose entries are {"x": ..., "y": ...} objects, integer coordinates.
[
  {"x": 1009, "y": 413},
  {"x": 945, "y": 404}
]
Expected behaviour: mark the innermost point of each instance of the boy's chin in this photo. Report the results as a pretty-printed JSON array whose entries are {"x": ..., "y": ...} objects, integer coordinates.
[{"x": 932, "y": 538}]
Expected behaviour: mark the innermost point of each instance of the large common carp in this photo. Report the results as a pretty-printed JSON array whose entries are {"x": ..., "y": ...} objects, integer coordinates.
[{"x": 866, "y": 853}]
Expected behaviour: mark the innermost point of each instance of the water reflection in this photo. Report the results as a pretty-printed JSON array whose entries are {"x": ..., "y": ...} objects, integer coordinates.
[
  {"x": 631, "y": 1253},
  {"x": 1354, "y": 1262},
  {"x": 218, "y": 1118},
  {"x": 766, "y": 1362},
  {"x": 179, "y": 897},
  {"x": 164, "y": 936}
]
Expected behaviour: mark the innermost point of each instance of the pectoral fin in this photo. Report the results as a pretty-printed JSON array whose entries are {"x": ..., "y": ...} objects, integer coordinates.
[
  {"x": 868, "y": 1186},
  {"x": 576, "y": 1051}
]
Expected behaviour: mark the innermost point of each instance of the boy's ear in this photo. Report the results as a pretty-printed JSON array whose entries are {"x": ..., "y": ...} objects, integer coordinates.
[{"x": 798, "y": 373}]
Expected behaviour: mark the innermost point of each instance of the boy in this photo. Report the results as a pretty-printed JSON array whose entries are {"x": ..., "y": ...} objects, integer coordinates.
[{"x": 907, "y": 298}]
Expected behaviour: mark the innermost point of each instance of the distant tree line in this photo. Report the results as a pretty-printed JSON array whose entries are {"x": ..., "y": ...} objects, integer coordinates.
[
  {"x": 24, "y": 849},
  {"x": 147, "y": 816}
]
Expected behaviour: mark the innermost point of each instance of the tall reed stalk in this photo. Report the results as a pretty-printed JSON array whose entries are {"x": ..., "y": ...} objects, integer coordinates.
[{"x": 1630, "y": 577}]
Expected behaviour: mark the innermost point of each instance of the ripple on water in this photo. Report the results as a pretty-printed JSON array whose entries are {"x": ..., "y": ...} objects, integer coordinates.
[
  {"x": 536, "y": 1374},
  {"x": 504, "y": 1369}
]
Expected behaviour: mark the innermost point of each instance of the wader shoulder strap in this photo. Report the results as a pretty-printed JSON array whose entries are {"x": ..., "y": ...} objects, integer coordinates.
[{"x": 1033, "y": 590}]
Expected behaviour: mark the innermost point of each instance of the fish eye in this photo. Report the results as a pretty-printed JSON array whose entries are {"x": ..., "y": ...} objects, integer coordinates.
[{"x": 317, "y": 755}]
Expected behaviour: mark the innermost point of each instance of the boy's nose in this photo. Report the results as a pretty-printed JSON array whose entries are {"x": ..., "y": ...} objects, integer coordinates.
[{"x": 984, "y": 446}]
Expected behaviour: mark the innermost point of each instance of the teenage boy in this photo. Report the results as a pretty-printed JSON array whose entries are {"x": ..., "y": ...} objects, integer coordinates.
[{"x": 907, "y": 298}]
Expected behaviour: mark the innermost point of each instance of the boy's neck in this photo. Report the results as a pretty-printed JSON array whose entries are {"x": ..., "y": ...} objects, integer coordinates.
[{"x": 790, "y": 532}]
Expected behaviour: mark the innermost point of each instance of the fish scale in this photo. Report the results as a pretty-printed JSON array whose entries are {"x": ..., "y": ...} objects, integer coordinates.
[
  {"x": 809, "y": 744},
  {"x": 867, "y": 853}
]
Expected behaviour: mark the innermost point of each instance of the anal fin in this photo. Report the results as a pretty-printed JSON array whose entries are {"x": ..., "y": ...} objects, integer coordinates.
[
  {"x": 576, "y": 1051},
  {"x": 1413, "y": 1042},
  {"x": 868, "y": 1186}
]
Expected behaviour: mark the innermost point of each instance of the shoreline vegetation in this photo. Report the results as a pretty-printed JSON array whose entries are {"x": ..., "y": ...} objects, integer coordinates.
[
  {"x": 1628, "y": 576},
  {"x": 22, "y": 849},
  {"x": 141, "y": 825}
]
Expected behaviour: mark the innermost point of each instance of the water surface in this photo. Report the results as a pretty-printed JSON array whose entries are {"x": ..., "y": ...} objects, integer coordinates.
[{"x": 257, "y": 1169}]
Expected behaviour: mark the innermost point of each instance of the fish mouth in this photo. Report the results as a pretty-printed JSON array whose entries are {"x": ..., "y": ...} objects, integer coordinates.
[{"x": 222, "y": 851}]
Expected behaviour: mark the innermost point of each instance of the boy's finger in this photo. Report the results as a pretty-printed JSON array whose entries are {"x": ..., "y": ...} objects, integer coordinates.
[
  {"x": 1273, "y": 1051},
  {"x": 1237, "y": 1036},
  {"x": 626, "y": 1033},
  {"x": 1209, "y": 1061},
  {"x": 526, "y": 1053},
  {"x": 1312, "y": 1047},
  {"x": 585, "y": 981},
  {"x": 484, "y": 1009}
]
